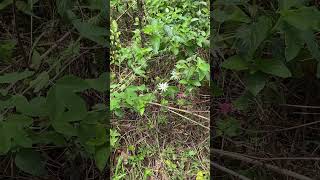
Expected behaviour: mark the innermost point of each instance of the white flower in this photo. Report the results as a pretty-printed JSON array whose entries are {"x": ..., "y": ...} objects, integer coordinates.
[
  {"x": 175, "y": 75},
  {"x": 163, "y": 86}
]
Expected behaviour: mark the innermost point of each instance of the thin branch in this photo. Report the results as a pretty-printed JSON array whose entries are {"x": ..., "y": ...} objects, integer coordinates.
[
  {"x": 229, "y": 171},
  {"x": 181, "y": 110},
  {"x": 256, "y": 162},
  {"x": 285, "y": 129},
  {"x": 300, "y": 106},
  {"x": 26, "y": 61},
  {"x": 195, "y": 122}
]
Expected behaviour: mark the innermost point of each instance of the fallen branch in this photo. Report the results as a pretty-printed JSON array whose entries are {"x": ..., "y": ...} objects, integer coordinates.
[
  {"x": 229, "y": 171},
  {"x": 256, "y": 162},
  {"x": 189, "y": 119},
  {"x": 181, "y": 110}
]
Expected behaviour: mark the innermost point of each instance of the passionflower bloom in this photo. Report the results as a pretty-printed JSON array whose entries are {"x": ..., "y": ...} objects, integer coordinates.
[{"x": 163, "y": 86}]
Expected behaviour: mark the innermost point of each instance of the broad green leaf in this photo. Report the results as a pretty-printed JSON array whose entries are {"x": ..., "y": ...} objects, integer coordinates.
[
  {"x": 40, "y": 82},
  {"x": 35, "y": 108},
  {"x": 235, "y": 63},
  {"x": 100, "y": 136},
  {"x": 65, "y": 128},
  {"x": 293, "y": 43},
  {"x": 95, "y": 33},
  {"x": 231, "y": 13},
  {"x": 49, "y": 137},
  {"x": 13, "y": 129},
  {"x": 5, "y": 3},
  {"x": 4, "y": 104},
  {"x": 102, "y": 156},
  {"x": 287, "y": 4},
  {"x": 18, "y": 121},
  {"x": 255, "y": 82},
  {"x": 254, "y": 34},
  {"x": 304, "y": 18},
  {"x": 15, "y": 76},
  {"x": 274, "y": 67},
  {"x": 31, "y": 162},
  {"x": 5, "y": 144},
  {"x": 76, "y": 106},
  {"x": 312, "y": 43},
  {"x": 72, "y": 83},
  {"x": 58, "y": 100},
  {"x": 100, "y": 84}
]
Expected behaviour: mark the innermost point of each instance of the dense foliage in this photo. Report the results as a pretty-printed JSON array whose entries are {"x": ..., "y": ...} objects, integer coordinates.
[
  {"x": 51, "y": 96},
  {"x": 269, "y": 55},
  {"x": 159, "y": 54}
]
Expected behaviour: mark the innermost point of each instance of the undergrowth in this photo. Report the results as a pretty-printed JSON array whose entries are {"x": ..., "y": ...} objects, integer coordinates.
[
  {"x": 268, "y": 53},
  {"x": 159, "y": 65},
  {"x": 53, "y": 86}
]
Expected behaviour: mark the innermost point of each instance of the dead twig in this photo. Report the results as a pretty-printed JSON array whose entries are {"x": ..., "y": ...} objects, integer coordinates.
[
  {"x": 258, "y": 163},
  {"x": 26, "y": 61},
  {"x": 229, "y": 171}
]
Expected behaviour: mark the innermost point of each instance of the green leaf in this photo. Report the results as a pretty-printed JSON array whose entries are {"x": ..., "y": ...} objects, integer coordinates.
[
  {"x": 36, "y": 60},
  {"x": 287, "y": 4},
  {"x": 40, "y": 82},
  {"x": 155, "y": 41},
  {"x": 31, "y": 162},
  {"x": 13, "y": 130},
  {"x": 293, "y": 43},
  {"x": 254, "y": 34},
  {"x": 256, "y": 82},
  {"x": 231, "y": 13},
  {"x": 304, "y": 18},
  {"x": 65, "y": 128},
  {"x": 243, "y": 102},
  {"x": 90, "y": 31},
  {"x": 312, "y": 43},
  {"x": 228, "y": 127},
  {"x": 58, "y": 100},
  {"x": 25, "y": 8},
  {"x": 15, "y": 76},
  {"x": 100, "y": 84},
  {"x": 34, "y": 108},
  {"x": 63, "y": 6},
  {"x": 54, "y": 104},
  {"x": 101, "y": 157},
  {"x": 274, "y": 67},
  {"x": 5, "y": 3},
  {"x": 5, "y": 144},
  {"x": 72, "y": 83},
  {"x": 235, "y": 63},
  {"x": 6, "y": 49}
]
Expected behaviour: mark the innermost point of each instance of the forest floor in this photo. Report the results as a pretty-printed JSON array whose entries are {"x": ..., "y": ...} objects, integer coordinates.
[{"x": 169, "y": 139}]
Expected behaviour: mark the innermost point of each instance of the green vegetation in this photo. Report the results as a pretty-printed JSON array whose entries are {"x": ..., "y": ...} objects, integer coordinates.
[
  {"x": 270, "y": 57},
  {"x": 159, "y": 65},
  {"x": 53, "y": 84}
]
